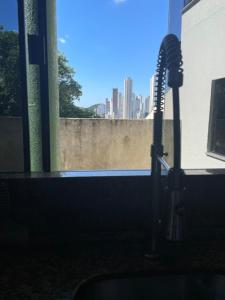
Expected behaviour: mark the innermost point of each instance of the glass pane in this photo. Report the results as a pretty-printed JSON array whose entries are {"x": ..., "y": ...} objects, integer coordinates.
[
  {"x": 107, "y": 55},
  {"x": 220, "y": 99},
  {"x": 220, "y": 137},
  {"x": 11, "y": 142},
  {"x": 217, "y": 121}
]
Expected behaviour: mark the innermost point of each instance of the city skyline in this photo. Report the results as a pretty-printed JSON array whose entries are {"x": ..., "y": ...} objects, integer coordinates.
[{"x": 126, "y": 104}]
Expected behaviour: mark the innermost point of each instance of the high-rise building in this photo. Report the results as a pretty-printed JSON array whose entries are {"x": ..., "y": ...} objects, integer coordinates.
[
  {"x": 101, "y": 110},
  {"x": 147, "y": 106},
  {"x": 120, "y": 108},
  {"x": 115, "y": 98},
  {"x": 127, "y": 104},
  {"x": 107, "y": 106},
  {"x": 139, "y": 109},
  {"x": 133, "y": 107},
  {"x": 111, "y": 107},
  {"x": 142, "y": 109},
  {"x": 152, "y": 92}
]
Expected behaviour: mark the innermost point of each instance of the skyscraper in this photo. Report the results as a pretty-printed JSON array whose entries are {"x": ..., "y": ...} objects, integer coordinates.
[
  {"x": 107, "y": 106},
  {"x": 127, "y": 104},
  {"x": 147, "y": 106},
  {"x": 101, "y": 110},
  {"x": 115, "y": 103},
  {"x": 120, "y": 108},
  {"x": 138, "y": 107},
  {"x": 152, "y": 92},
  {"x": 133, "y": 107}
]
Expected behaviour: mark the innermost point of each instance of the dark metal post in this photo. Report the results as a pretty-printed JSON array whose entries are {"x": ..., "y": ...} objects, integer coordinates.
[
  {"x": 175, "y": 222},
  {"x": 42, "y": 19},
  {"x": 176, "y": 129},
  {"x": 156, "y": 178}
]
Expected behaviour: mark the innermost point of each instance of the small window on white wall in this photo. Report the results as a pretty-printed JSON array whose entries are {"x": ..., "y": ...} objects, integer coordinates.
[{"x": 216, "y": 136}]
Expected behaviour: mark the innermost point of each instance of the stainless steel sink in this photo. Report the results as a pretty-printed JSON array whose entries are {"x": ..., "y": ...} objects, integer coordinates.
[{"x": 174, "y": 286}]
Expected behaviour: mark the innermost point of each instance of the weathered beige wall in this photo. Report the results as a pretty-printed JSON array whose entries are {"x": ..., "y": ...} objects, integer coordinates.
[
  {"x": 88, "y": 144},
  {"x": 108, "y": 144},
  {"x": 105, "y": 144}
]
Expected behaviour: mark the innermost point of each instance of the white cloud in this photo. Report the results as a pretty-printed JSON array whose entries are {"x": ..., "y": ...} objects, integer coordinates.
[
  {"x": 119, "y": 1},
  {"x": 62, "y": 40}
]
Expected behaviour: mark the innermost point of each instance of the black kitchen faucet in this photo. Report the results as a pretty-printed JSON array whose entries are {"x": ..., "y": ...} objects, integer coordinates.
[{"x": 169, "y": 73}]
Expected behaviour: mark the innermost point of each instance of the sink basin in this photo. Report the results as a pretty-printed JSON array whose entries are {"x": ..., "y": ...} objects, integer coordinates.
[{"x": 174, "y": 286}]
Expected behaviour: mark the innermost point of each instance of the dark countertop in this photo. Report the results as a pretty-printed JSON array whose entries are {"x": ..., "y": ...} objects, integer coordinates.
[{"x": 54, "y": 275}]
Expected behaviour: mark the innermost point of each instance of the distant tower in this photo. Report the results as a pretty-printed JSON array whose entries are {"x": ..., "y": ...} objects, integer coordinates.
[
  {"x": 120, "y": 112},
  {"x": 127, "y": 104},
  {"x": 107, "y": 108},
  {"x": 147, "y": 106},
  {"x": 111, "y": 109},
  {"x": 115, "y": 96},
  {"x": 152, "y": 92},
  {"x": 101, "y": 110},
  {"x": 133, "y": 114},
  {"x": 139, "y": 107}
]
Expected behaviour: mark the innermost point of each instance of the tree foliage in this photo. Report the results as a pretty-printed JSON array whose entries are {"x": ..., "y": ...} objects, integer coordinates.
[
  {"x": 10, "y": 100},
  {"x": 69, "y": 92}
]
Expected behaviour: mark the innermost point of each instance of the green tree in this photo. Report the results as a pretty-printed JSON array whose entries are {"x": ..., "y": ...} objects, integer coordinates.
[
  {"x": 69, "y": 89},
  {"x": 10, "y": 101},
  {"x": 69, "y": 92}
]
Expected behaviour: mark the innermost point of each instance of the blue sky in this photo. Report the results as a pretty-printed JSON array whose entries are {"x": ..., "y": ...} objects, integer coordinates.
[
  {"x": 108, "y": 40},
  {"x": 9, "y": 14}
]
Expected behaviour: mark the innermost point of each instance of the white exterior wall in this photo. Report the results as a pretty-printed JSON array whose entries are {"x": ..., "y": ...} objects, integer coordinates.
[{"x": 203, "y": 47}]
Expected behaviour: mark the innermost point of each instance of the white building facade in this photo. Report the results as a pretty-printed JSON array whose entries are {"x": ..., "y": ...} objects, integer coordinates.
[{"x": 202, "y": 97}]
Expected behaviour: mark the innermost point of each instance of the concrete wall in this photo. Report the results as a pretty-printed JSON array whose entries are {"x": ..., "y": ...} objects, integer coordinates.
[
  {"x": 105, "y": 144},
  {"x": 88, "y": 144},
  {"x": 203, "y": 46}
]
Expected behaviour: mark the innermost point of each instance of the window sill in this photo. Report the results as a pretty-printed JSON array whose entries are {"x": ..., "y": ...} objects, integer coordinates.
[
  {"x": 77, "y": 174},
  {"x": 215, "y": 155},
  {"x": 189, "y": 5},
  {"x": 101, "y": 174}
]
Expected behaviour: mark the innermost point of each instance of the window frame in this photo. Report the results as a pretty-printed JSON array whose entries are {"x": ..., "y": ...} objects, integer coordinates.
[{"x": 212, "y": 120}]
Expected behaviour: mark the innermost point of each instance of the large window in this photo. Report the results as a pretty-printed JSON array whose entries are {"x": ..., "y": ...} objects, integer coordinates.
[
  {"x": 216, "y": 139},
  {"x": 11, "y": 135},
  {"x": 109, "y": 53}
]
